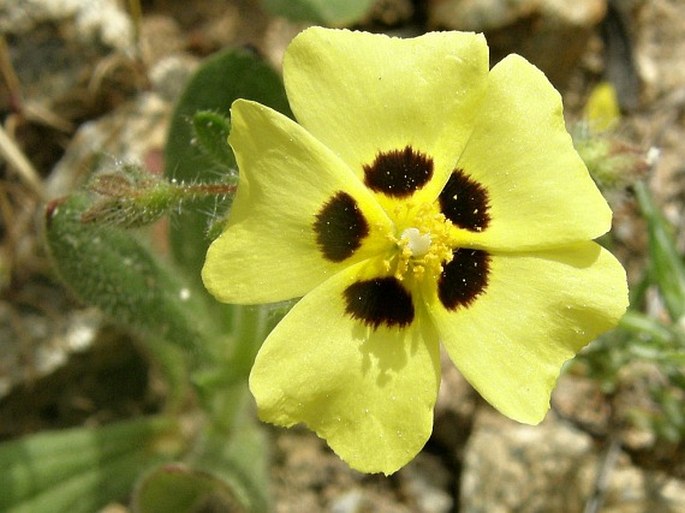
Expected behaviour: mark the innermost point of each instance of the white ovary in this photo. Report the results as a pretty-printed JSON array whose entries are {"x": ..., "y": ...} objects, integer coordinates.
[{"x": 417, "y": 242}]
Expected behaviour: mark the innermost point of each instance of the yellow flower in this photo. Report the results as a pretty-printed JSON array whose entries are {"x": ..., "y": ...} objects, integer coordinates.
[{"x": 421, "y": 199}]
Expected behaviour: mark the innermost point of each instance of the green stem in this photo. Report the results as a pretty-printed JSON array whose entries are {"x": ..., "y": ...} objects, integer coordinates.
[
  {"x": 250, "y": 329},
  {"x": 223, "y": 387}
]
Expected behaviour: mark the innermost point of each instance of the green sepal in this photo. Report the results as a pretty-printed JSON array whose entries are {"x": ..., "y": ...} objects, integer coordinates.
[
  {"x": 80, "y": 470},
  {"x": 109, "y": 268},
  {"x": 130, "y": 198},
  {"x": 612, "y": 163},
  {"x": 326, "y": 12}
]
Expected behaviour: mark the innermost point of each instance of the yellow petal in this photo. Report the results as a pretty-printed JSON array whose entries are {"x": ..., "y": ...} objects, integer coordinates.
[
  {"x": 537, "y": 310},
  {"x": 602, "y": 110},
  {"x": 540, "y": 192},
  {"x": 368, "y": 393},
  {"x": 269, "y": 250},
  {"x": 362, "y": 93}
]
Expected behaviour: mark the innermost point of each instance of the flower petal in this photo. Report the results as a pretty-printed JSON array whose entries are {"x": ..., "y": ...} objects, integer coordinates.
[
  {"x": 369, "y": 392},
  {"x": 539, "y": 190},
  {"x": 289, "y": 185},
  {"x": 361, "y": 94},
  {"x": 536, "y": 311}
]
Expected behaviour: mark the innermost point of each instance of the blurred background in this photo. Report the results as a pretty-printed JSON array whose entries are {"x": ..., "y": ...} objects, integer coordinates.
[{"x": 89, "y": 84}]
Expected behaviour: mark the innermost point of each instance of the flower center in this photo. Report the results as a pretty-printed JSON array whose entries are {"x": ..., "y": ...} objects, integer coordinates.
[
  {"x": 424, "y": 243},
  {"x": 416, "y": 242}
]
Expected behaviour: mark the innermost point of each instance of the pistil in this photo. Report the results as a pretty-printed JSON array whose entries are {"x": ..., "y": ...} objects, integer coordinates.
[{"x": 424, "y": 243}]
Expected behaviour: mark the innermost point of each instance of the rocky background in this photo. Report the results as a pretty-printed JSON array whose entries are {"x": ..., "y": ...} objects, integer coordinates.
[{"x": 85, "y": 84}]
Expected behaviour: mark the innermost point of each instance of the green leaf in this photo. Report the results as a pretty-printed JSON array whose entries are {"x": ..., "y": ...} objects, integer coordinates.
[
  {"x": 241, "y": 462},
  {"x": 179, "y": 489},
  {"x": 223, "y": 78},
  {"x": 666, "y": 263},
  {"x": 107, "y": 267},
  {"x": 228, "y": 473},
  {"x": 211, "y": 130},
  {"x": 326, "y": 12},
  {"x": 646, "y": 326},
  {"x": 80, "y": 470}
]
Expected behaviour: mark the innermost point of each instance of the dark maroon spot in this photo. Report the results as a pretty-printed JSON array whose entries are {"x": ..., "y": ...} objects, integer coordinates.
[
  {"x": 381, "y": 301},
  {"x": 464, "y": 278},
  {"x": 340, "y": 227},
  {"x": 51, "y": 209},
  {"x": 398, "y": 173},
  {"x": 465, "y": 202}
]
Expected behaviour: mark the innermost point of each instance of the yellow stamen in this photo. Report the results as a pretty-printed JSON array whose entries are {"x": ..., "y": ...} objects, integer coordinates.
[{"x": 424, "y": 243}]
